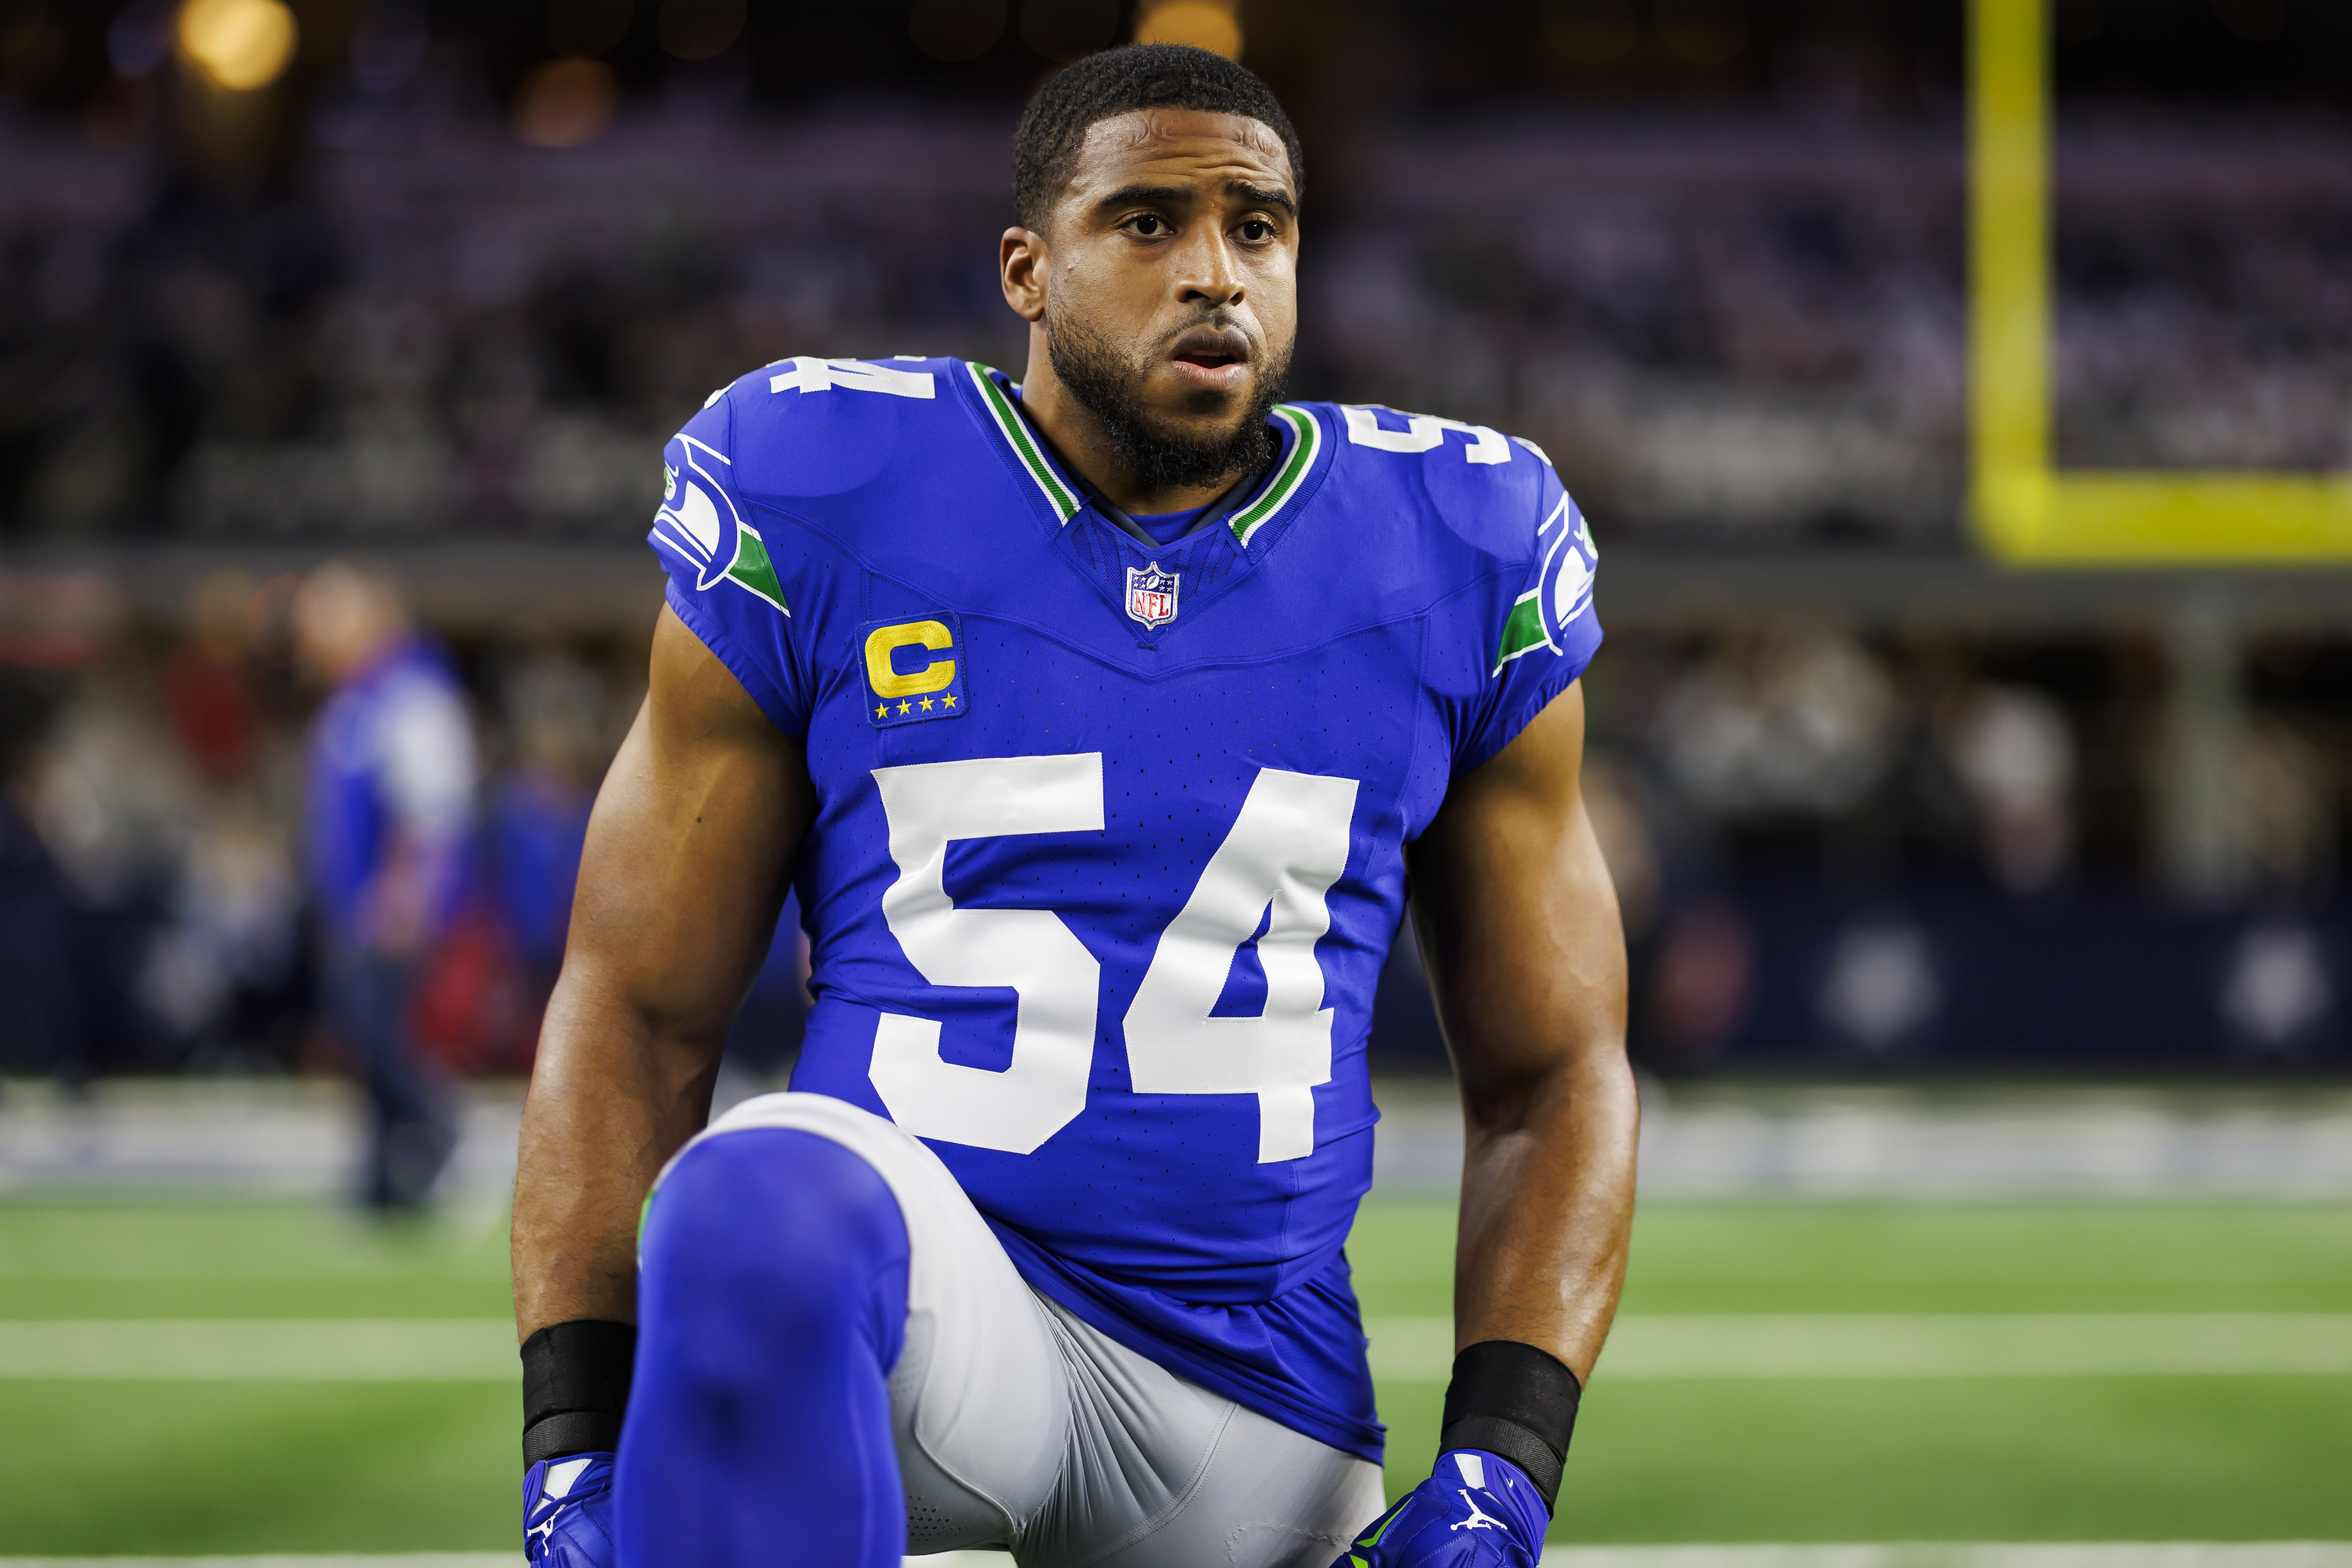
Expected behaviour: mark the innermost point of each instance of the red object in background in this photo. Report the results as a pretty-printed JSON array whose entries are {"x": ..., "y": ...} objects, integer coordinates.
[
  {"x": 56, "y": 622},
  {"x": 475, "y": 1010},
  {"x": 1705, "y": 974},
  {"x": 213, "y": 712}
]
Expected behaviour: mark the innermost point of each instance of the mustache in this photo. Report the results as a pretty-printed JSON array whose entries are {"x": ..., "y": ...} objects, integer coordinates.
[
  {"x": 1219, "y": 319},
  {"x": 1107, "y": 378}
]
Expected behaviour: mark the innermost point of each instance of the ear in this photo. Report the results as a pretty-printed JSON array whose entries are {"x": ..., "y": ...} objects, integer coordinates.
[{"x": 1021, "y": 263}]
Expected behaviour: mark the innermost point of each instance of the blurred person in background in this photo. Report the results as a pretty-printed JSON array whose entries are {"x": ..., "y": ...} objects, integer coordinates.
[
  {"x": 114, "y": 808},
  {"x": 480, "y": 998},
  {"x": 2013, "y": 749},
  {"x": 538, "y": 816},
  {"x": 225, "y": 973},
  {"x": 392, "y": 776}
]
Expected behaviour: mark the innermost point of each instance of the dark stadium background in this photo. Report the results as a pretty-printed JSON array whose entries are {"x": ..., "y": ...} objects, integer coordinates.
[
  {"x": 1991, "y": 947},
  {"x": 1877, "y": 806}
]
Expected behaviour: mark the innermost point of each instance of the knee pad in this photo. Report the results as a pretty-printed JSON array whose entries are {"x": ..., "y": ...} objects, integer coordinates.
[{"x": 784, "y": 1232}]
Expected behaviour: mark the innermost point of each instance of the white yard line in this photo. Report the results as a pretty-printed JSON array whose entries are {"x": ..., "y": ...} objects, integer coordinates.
[
  {"x": 1826, "y": 1345},
  {"x": 290, "y": 1137},
  {"x": 1892, "y": 1554},
  {"x": 374, "y": 1350},
  {"x": 2055, "y": 1344}
]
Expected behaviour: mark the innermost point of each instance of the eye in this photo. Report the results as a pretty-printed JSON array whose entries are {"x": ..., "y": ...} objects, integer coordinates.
[
  {"x": 1256, "y": 228},
  {"x": 1149, "y": 225}
]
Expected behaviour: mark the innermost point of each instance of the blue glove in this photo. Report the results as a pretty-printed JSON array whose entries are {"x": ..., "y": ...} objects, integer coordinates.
[
  {"x": 1478, "y": 1510},
  {"x": 567, "y": 1512}
]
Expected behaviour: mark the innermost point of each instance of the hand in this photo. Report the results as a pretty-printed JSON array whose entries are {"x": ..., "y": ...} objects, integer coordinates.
[
  {"x": 567, "y": 1512},
  {"x": 1478, "y": 1510}
]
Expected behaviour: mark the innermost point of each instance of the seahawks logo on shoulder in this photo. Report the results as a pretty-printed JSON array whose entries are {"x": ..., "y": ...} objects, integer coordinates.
[
  {"x": 1563, "y": 589},
  {"x": 699, "y": 521}
]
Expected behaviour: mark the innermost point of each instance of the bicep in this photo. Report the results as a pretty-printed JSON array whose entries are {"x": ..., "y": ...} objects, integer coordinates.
[
  {"x": 690, "y": 845},
  {"x": 1516, "y": 912}
]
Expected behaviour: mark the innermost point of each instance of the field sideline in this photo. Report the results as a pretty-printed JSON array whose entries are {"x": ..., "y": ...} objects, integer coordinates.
[{"x": 1786, "y": 1372}]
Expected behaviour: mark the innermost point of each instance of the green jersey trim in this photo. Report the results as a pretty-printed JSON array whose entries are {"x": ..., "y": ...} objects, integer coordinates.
[
  {"x": 1307, "y": 441},
  {"x": 1016, "y": 433},
  {"x": 1523, "y": 629},
  {"x": 753, "y": 570}
]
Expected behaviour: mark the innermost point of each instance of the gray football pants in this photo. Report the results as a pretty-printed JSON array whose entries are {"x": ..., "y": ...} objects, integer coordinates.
[{"x": 1019, "y": 1426}]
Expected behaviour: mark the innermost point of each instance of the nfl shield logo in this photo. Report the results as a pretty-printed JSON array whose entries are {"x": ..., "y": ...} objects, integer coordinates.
[{"x": 1151, "y": 595}]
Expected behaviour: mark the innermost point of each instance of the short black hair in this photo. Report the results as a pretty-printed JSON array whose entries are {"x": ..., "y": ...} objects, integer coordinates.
[{"x": 1119, "y": 81}]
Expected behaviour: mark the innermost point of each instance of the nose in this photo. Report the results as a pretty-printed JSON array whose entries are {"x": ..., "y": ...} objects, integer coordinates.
[{"x": 1206, "y": 275}]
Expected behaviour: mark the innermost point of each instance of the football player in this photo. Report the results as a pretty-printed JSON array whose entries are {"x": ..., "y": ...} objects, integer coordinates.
[{"x": 1103, "y": 720}]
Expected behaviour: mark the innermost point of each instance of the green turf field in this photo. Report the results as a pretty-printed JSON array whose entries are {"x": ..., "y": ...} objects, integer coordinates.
[{"x": 191, "y": 1465}]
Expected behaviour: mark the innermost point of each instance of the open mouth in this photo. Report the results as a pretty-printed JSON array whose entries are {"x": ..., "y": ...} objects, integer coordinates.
[{"x": 1212, "y": 358}]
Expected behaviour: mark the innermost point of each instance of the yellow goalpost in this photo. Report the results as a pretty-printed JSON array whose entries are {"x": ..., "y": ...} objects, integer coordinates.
[{"x": 2025, "y": 511}]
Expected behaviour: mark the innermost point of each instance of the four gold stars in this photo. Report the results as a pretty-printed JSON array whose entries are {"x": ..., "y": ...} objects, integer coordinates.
[{"x": 945, "y": 700}]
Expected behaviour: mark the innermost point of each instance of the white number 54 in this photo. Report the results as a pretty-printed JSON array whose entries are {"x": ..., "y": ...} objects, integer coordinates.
[{"x": 1276, "y": 867}]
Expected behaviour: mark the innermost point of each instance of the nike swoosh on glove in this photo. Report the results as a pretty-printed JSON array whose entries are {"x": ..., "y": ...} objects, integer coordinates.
[
  {"x": 567, "y": 1512},
  {"x": 1478, "y": 1510}
]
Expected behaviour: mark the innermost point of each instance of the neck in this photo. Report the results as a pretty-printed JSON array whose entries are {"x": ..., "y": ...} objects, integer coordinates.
[{"x": 1079, "y": 439}]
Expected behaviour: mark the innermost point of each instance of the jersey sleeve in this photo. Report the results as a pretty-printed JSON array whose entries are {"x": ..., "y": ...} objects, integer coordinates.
[
  {"x": 1542, "y": 629},
  {"x": 724, "y": 582}
]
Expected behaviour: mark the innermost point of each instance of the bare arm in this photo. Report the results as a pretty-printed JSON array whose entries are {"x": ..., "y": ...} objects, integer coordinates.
[
  {"x": 687, "y": 857},
  {"x": 1518, "y": 927}
]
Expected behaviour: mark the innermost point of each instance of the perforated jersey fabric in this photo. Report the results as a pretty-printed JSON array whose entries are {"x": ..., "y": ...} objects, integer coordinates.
[{"x": 1108, "y": 848}]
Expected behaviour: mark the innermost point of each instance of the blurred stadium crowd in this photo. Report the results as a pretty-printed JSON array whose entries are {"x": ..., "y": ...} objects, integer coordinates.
[
  {"x": 458, "y": 292},
  {"x": 1734, "y": 329}
]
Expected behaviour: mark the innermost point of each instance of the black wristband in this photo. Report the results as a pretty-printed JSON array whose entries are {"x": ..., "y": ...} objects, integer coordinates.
[
  {"x": 575, "y": 1384},
  {"x": 1516, "y": 1401}
]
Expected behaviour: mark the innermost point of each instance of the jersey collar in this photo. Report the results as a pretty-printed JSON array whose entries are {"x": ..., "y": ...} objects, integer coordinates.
[
  {"x": 1289, "y": 473},
  {"x": 1059, "y": 493}
]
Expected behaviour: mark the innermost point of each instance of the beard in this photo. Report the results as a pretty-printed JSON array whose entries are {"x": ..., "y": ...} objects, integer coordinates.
[{"x": 1161, "y": 453}]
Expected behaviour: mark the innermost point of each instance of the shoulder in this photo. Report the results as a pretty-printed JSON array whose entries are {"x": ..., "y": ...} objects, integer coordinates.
[
  {"x": 809, "y": 426},
  {"x": 1464, "y": 495},
  {"x": 1443, "y": 511},
  {"x": 838, "y": 440},
  {"x": 1463, "y": 486}
]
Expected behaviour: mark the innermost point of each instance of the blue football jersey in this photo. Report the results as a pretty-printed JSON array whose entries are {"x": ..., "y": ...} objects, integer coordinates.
[{"x": 1108, "y": 846}]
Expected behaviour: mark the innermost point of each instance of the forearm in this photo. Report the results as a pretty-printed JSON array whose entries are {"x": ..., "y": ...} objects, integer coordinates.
[
  {"x": 612, "y": 1096},
  {"x": 680, "y": 880},
  {"x": 1547, "y": 1210},
  {"x": 1519, "y": 933}
]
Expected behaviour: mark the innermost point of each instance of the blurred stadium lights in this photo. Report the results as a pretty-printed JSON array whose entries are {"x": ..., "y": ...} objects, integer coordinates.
[
  {"x": 565, "y": 102},
  {"x": 239, "y": 45},
  {"x": 1211, "y": 25}
]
